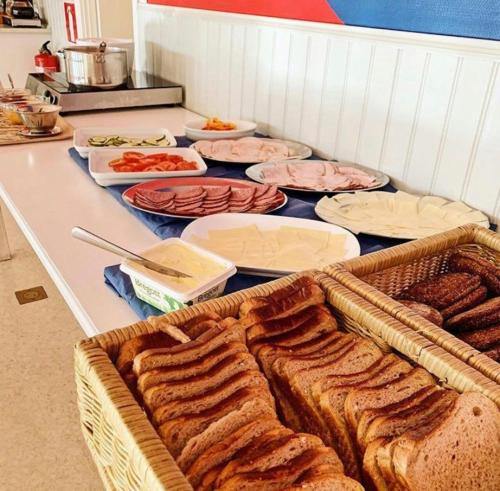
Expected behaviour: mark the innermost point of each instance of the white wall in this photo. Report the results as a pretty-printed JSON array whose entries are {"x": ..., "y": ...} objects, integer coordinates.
[{"x": 422, "y": 108}]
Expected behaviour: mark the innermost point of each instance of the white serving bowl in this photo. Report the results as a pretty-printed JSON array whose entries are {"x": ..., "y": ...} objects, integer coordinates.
[{"x": 195, "y": 132}]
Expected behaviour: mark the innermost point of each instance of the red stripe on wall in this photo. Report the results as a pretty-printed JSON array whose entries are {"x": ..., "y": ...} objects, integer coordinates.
[{"x": 312, "y": 10}]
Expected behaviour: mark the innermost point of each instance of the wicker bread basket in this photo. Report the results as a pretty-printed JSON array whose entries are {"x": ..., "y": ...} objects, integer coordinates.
[
  {"x": 125, "y": 447},
  {"x": 378, "y": 276}
]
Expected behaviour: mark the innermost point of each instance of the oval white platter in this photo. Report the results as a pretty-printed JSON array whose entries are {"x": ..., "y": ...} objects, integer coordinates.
[
  {"x": 194, "y": 130},
  {"x": 223, "y": 221},
  {"x": 410, "y": 216},
  {"x": 255, "y": 173},
  {"x": 296, "y": 151}
]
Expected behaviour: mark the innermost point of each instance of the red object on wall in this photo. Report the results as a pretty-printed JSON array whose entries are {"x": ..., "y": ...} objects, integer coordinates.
[
  {"x": 70, "y": 16},
  {"x": 312, "y": 10}
]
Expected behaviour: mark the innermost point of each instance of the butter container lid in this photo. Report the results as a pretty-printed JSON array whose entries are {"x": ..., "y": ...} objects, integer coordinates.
[{"x": 207, "y": 269}]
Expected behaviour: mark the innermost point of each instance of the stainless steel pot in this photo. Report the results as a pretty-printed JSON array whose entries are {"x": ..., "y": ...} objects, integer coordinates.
[{"x": 101, "y": 67}]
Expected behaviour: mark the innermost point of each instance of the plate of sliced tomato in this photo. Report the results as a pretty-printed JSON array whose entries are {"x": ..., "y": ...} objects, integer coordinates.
[{"x": 111, "y": 167}]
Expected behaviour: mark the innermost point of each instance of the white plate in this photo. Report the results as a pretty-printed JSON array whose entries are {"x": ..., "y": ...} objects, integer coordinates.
[
  {"x": 202, "y": 226},
  {"x": 195, "y": 132},
  {"x": 331, "y": 210},
  {"x": 255, "y": 172},
  {"x": 105, "y": 176},
  {"x": 81, "y": 137}
]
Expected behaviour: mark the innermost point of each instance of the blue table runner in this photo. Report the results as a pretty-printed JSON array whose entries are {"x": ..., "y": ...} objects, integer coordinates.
[{"x": 300, "y": 205}]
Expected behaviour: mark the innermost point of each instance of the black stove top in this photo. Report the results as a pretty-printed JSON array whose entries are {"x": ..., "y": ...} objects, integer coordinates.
[{"x": 138, "y": 80}]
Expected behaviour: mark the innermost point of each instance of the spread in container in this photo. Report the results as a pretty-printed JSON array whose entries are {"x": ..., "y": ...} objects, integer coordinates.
[{"x": 209, "y": 274}]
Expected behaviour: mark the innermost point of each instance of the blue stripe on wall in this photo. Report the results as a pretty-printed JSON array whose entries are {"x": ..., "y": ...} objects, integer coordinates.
[{"x": 468, "y": 18}]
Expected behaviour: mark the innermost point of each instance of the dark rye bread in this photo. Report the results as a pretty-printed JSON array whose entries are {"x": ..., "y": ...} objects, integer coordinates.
[
  {"x": 442, "y": 290},
  {"x": 469, "y": 262},
  {"x": 482, "y": 339},
  {"x": 162, "y": 393},
  {"x": 256, "y": 410},
  {"x": 176, "y": 432},
  {"x": 494, "y": 352},
  {"x": 321, "y": 478},
  {"x": 282, "y": 476},
  {"x": 329, "y": 395},
  {"x": 361, "y": 355},
  {"x": 426, "y": 311},
  {"x": 226, "y": 331},
  {"x": 484, "y": 315},
  {"x": 282, "y": 303},
  {"x": 312, "y": 314},
  {"x": 360, "y": 400},
  {"x": 279, "y": 381},
  {"x": 369, "y": 415},
  {"x": 461, "y": 452},
  {"x": 194, "y": 367},
  {"x": 265, "y": 455},
  {"x": 474, "y": 298},
  {"x": 396, "y": 423},
  {"x": 212, "y": 396},
  {"x": 224, "y": 451}
]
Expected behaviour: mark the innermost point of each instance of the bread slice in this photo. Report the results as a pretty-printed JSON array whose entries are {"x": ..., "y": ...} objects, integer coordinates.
[
  {"x": 212, "y": 396},
  {"x": 193, "y": 328},
  {"x": 361, "y": 355},
  {"x": 314, "y": 314},
  {"x": 224, "y": 450},
  {"x": 183, "y": 353},
  {"x": 484, "y": 315},
  {"x": 162, "y": 393},
  {"x": 362, "y": 399},
  {"x": 330, "y": 404},
  {"x": 493, "y": 352},
  {"x": 282, "y": 303},
  {"x": 176, "y": 432},
  {"x": 461, "y": 452},
  {"x": 396, "y": 423},
  {"x": 255, "y": 410},
  {"x": 471, "y": 300},
  {"x": 276, "y": 452},
  {"x": 372, "y": 474},
  {"x": 191, "y": 368},
  {"x": 482, "y": 339},
  {"x": 282, "y": 476},
  {"x": 321, "y": 478},
  {"x": 369, "y": 415}
]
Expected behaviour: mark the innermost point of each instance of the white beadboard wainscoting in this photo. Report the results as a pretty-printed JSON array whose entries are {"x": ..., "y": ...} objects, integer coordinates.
[{"x": 424, "y": 109}]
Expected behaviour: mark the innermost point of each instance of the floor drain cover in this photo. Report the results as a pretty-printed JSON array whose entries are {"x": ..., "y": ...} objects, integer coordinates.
[{"x": 31, "y": 295}]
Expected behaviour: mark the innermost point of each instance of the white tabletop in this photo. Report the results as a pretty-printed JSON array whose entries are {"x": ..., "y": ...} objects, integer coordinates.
[{"x": 48, "y": 194}]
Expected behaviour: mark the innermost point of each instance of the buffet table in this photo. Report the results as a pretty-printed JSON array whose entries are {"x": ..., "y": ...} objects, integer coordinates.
[{"x": 48, "y": 195}]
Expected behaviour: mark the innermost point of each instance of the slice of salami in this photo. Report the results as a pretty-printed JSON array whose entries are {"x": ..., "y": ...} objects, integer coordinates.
[
  {"x": 240, "y": 209},
  {"x": 261, "y": 190},
  {"x": 242, "y": 194},
  {"x": 209, "y": 206},
  {"x": 220, "y": 209},
  {"x": 269, "y": 193},
  {"x": 190, "y": 193},
  {"x": 217, "y": 191},
  {"x": 155, "y": 196}
]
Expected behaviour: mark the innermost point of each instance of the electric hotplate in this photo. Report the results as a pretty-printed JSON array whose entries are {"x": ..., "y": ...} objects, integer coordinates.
[{"x": 141, "y": 89}]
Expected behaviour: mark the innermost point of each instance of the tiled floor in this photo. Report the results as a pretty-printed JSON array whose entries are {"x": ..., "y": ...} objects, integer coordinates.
[{"x": 41, "y": 447}]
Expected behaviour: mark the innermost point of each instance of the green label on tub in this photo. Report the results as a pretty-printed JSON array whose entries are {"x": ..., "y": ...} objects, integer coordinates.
[{"x": 150, "y": 295}]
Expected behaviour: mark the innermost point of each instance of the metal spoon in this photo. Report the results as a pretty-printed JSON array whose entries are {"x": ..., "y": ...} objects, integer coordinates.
[{"x": 95, "y": 240}]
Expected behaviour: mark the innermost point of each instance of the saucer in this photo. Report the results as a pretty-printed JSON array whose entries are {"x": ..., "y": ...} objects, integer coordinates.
[{"x": 54, "y": 131}]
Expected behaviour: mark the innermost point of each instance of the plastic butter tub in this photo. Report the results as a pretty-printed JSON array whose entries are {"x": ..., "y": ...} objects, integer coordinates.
[{"x": 209, "y": 271}]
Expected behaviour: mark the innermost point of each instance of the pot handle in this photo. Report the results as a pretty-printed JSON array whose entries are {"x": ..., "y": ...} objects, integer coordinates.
[{"x": 100, "y": 55}]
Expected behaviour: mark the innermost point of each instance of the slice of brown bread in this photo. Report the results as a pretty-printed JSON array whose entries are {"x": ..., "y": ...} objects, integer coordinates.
[
  {"x": 282, "y": 476},
  {"x": 275, "y": 453},
  {"x": 385, "y": 466},
  {"x": 482, "y": 339},
  {"x": 461, "y": 452},
  {"x": 330, "y": 403},
  {"x": 372, "y": 475},
  {"x": 220, "y": 453},
  {"x": 391, "y": 426},
  {"x": 279, "y": 305},
  {"x": 484, "y": 315},
  {"x": 207, "y": 483},
  {"x": 194, "y": 367},
  {"x": 268, "y": 329},
  {"x": 442, "y": 290},
  {"x": 470, "y": 262},
  {"x": 321, "y": 478},
  {"x": 360, "y": 356},
  {"x": 426, "y": 311},
  {"x": 176, "y": 432},
  {"x": 369, "y": 415},
  {"x": 362, "y": 399},
  {"x": 494, "y": 352},
  {"x": 183, "y": 353},
  {"x": 212, "y": 396},
  {"x": 162, "y": 393},
  {"x": 256, "y": 409},
  {"x": 193, "y": 328},
  {"x": 471, "y": 300}
]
